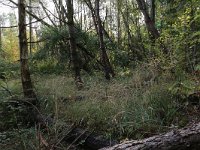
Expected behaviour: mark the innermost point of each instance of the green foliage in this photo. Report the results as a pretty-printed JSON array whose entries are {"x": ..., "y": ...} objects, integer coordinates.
[
  {"x": 186, "y": 87},
  {"x": 19, "y": 139},
  {"x": 47, "y": 66},
  {"x": 14, "y": 114},
  {"x": 8, "y": 69},
  {"x": 197, "y": 67},
  {"x": 3, "y": 63},
  {"x": 182, "y": 89},
  {"x": 54, "y": 45},
  {"x": 181, "y": 33},
  {"x": 119, "y": 58},
  {"x": 137, "y": 103}
]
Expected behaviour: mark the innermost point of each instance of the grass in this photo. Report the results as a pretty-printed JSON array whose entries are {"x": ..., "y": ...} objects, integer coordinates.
[
  {"x": 17, "y": 139},
  {"x": 122, "y": 111},
  {"x": 129, "y": 106},
  {"x": 121, "y": 108}
]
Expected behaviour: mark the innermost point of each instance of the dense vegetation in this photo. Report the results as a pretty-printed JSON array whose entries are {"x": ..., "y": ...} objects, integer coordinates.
[{"x": 122, "y": 69}]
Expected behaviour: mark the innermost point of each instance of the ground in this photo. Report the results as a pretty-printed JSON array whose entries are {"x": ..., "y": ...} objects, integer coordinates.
[{"x": 123, "y": 108}]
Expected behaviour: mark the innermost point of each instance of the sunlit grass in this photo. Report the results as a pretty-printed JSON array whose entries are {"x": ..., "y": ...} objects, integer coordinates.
[
  {"x": 122, "y": 107},
  {"x": 129, "y": 106}
]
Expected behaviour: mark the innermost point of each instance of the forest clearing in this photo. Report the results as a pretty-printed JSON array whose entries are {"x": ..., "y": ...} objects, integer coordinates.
[{"x": 99, "y": 74}]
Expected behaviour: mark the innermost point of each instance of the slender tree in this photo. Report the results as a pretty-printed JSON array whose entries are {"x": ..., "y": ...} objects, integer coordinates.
[
  {"x": 119, "y": 34},
  {"x": 153, "y": 11},
  {"x": 150, "y": 22},
  {"x": 30, "y": 28},
  {"x": 25, "y": 74},
  {"x": 0, "y": 37},
  {"x": 1, "y": 22},
  {"x": 153, "y": 16},
  {"x": 72, "y": 41},
  {"x": 104, "y": 57}
]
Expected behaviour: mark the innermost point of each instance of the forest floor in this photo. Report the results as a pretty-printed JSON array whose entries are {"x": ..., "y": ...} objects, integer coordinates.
[{"x": 126, "y": 107}]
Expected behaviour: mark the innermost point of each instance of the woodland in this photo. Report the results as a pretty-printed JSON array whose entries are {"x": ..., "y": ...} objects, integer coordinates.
[{"x": 100, "y": 74}]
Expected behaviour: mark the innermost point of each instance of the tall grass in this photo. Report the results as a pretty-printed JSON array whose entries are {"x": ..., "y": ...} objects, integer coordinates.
[
  {"x": 123, "y": 107},
  {"x": 134, "y": 105}
]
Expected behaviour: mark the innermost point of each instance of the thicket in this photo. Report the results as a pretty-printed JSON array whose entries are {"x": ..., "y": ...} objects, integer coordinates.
[{"x": 152, "y": 92}]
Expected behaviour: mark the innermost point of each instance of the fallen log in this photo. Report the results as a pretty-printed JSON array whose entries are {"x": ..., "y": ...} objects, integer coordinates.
[
  {"x": 78, "y": 136},
  {"x": 187, "y": 138},
  {"x": 88, "y": 140}
]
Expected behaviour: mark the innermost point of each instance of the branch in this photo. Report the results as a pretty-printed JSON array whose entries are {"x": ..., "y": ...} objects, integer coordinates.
[
  {"x": 6, "y": 89},
  {"x": 15, "y": 26},
  {"x": 34, "y": 16},
  {"x": 45, "y": 10}
]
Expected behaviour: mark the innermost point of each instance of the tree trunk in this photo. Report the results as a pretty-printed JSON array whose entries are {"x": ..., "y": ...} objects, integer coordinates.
[
  {"x": 0, "y": 38},
  {"x": 150, "y": 24},
  {"x": 1, "y": 23},
  {"x": 118, "y": 24},
  {"x": 127, "y": 28},
  {"x": 193, "y": 27},
  {"x": 183, "y": 139},
  {"x": 153, "y": 11},
  {"x": 94, "y": 18},
  {"x": 25, "y": 74},
  {"x": 104, "y": 57},
  {"x": 72, "y": 41},
  {"x": 153, "y": 17},
  {"x": 30, "y": 28}
]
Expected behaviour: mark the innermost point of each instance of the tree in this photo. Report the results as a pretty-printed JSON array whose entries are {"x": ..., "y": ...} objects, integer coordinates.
[
  {"x": 30, "y": 28},
  {"x": 104, "y": 57},
  {"x": 119, "y": 5},
  {"x": 0, "y": 35},
  {"x": 1, "y": 24},
  {"x": 153, "y": 11},
  {"x": 25, "y": 73},
  {"x": 148, "y": 20},
  {"x": 72, "y": 41},
  {"x": 101, "y": 32}
]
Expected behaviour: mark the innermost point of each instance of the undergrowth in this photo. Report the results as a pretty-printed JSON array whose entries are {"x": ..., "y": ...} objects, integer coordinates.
[
  {"x": 126, "y": 107},
  {"x": 134, "y": 105}
]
